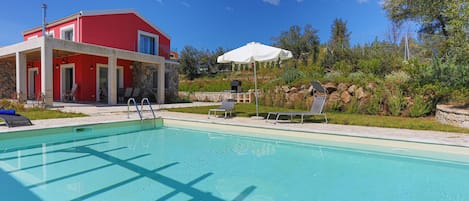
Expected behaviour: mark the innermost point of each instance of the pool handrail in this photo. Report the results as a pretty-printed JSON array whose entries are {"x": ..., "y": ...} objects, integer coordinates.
[
  {"x": 149, "y": 105},
  {"x": 136, "y": 107}
]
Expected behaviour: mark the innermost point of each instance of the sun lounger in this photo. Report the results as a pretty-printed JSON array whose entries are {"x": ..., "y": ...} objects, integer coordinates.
[
  {"x": 226, "y": 106},
  {"x": 12, "y": 119},
  {"x": 316, "y": 109}
]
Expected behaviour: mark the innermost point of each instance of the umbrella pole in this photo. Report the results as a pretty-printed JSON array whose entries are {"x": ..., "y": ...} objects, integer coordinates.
[{"x": 255, "y": 90}]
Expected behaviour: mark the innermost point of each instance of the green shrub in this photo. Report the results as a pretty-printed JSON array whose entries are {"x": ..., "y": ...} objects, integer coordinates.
[
  {"x": 396, "y": 78},
  {"x": 335, "y": 77},
  {"x": 343, "y": 67},
  {"x": 354, "y": 107},
  {"x": 334, "y": 106},
  {"x": 11, "y": 105},
  {"x": 374, "y": 105},
  {"x": 291, "y": 74},
  {"x": 370, "y": 66},
  {"x": 395, "y": 102},
  {"x": 420, "y": 107},
  {"x": 358, "y": 78}
]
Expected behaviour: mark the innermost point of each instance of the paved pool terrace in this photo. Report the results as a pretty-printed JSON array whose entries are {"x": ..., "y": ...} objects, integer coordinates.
[{"x": 104, "y": 113}]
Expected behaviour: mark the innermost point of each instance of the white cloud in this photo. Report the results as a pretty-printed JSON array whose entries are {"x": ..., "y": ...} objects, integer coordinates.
[
  {"x": 273, "y": 2},
  {"x": 187, "y": 5},
  {"x": 362, "y": 1},
  {"x": 381, "y": 2}
]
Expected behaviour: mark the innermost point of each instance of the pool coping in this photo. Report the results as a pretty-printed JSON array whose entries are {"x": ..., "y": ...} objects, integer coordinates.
[{"x": 308, "y": 130}]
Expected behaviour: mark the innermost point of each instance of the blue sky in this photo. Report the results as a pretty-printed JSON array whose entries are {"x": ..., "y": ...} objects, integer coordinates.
[{"x": 210, "y": 24}]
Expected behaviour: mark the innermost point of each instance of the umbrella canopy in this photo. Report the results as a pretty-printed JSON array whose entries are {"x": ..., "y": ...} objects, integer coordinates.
[{"x": 252, "y": 52}]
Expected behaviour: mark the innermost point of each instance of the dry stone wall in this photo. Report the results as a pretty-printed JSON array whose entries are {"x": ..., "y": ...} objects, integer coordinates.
[
  {"x": 452, "y": 115},
  {"x": 143, "y": 78},
  {"x": 7, "y": 80}
]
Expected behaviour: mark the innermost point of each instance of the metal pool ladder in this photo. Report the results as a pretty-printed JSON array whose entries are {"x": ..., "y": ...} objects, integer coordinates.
[
  {"x": 145, "y": 100},
  {"x": 140, "y": 111}
]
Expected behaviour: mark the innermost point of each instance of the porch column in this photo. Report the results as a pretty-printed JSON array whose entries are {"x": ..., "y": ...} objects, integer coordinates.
[
  {"x": 21, "y": 76},
  {"x": 161, "y": 87},
  {"x": 112, "y": 80},
  {"x": 46, "y": 73}
]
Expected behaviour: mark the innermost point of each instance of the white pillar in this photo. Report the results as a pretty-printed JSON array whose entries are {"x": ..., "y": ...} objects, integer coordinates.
[
  {"x": 161, "y": 87},
  {"x": 46, "y": 73},
  {"x": 112, "y": 80},
  {"x": 21, "y": 76}
]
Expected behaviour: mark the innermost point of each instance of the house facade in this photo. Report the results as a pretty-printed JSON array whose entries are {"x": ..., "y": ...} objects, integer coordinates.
[{"x": 96, "y": 55}]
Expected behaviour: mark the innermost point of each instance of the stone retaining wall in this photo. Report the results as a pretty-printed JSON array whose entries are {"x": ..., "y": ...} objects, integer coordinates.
[
  {"x": 205, "y": 96},
  {"x": 7, "y": 80},
  {"x": 448, "y": 114}
]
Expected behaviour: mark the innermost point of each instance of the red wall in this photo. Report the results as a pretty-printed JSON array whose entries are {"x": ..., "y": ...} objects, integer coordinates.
[
  {"x": 116, "y": 30},
  {"x": 85, "y": 76},
  {"x": 56, "y": 29},
  {"x": 119, "y": 31}
]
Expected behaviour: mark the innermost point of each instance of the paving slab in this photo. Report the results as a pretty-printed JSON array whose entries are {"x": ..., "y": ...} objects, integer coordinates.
[{"x": 104, "y": 113}]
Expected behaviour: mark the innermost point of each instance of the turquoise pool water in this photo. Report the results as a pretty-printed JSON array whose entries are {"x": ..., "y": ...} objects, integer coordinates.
[{"x": 181, "y": 164}]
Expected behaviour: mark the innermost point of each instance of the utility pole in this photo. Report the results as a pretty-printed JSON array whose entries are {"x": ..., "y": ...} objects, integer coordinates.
[
  {"x": 44, "y": 8},
  {"x": 406, "y": 49}
]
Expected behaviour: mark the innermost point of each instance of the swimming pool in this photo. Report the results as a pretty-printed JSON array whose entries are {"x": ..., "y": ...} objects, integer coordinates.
[{"x": 185, "y": 161}]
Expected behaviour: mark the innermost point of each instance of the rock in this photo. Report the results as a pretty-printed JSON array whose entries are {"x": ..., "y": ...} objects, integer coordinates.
[
  {"x": 345, "y": 97},
  {"x": 335, "y": 96},
  {"x": 310, "y": 90},
  {"x": 330, "y": 87},
  {"x": 293, "y": 90},
  {"x": 342, "y": 87},
  {"x": 359, "y": 93},
  {"x": 286, "y": 89},
  {"x": 351, "y": 89},
  {"x": 303, "y": 87}
]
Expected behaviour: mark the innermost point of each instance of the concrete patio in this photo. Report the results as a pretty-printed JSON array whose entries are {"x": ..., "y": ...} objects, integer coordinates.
[{"x": 106, "y": 113}]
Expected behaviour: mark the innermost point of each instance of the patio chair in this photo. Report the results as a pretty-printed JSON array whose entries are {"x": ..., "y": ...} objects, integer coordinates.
[
  {"x": 226, "y": 106},
  {"x": 120, "y": 95},
  {"x": 316, "y": 109},
  {"x": 127, "y": 94},
  {"x": 318, "y": 87},
  {"x": 70, "y": 96},
  {"x": 13, "y": 120},
  {"x": 136, "y": 93}
]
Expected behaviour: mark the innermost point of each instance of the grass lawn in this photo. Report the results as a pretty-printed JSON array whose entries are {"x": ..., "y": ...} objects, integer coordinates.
[
  {"x": 34, "y": 114},
  {"x": 427, "y": 123}
]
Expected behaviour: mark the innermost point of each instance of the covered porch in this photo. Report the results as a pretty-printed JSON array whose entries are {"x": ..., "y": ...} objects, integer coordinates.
[{"x": 41, "y": 65}]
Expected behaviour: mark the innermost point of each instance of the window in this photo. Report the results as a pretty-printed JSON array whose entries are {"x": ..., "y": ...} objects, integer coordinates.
[
  {"x": 147, "y": 43},
  {"x": 50, "y": 34},
  {"x": 120, "y": 76},
  {"x": 155, "y": 80},
  {"x": 67, "y": 33}
]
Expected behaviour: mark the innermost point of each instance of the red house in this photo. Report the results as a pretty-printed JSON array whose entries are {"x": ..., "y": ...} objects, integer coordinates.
[{"x": 91, "y": 56}]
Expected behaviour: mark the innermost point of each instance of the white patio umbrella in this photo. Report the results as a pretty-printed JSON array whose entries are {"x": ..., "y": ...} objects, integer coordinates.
[{"x": 252, "y": 52}]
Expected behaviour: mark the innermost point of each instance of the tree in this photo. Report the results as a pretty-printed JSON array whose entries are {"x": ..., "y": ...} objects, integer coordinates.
[
  {"x": 301, "y": 44},
  {"x": 429, "y": 13},
  {"x": 394, "y": 32},
  {"x": 338, "y": 48},
  {"x": 340, "y": 37},
  {"x": 446, "y": 18},
  {"x": 189, "y": 60}
]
